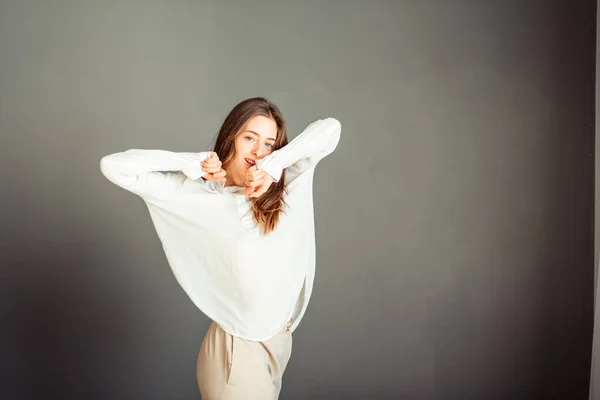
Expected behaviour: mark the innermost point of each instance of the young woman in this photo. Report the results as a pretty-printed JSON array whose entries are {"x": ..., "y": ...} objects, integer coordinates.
[{"x": 237, "y": 228}]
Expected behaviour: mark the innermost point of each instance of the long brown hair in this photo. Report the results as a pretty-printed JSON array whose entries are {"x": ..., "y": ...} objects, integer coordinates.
[{"x": 267, "y": 208}]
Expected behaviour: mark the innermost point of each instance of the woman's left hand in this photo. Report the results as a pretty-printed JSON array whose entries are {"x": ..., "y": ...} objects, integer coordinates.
[{"x": 257, "y": 182}]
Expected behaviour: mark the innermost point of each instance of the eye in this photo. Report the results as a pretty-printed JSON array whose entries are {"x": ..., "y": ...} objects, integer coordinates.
[
  {"x": 269, "y": 145},
  {"x": 249, "y": 138}
]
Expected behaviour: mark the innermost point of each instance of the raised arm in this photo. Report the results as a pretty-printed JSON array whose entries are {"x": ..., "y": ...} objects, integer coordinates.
[
  {"x": 317, "y": 141},
  {"x": 152, "y": 173}
]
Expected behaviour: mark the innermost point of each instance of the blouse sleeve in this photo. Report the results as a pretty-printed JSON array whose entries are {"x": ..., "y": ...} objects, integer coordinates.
[
  {"x": 152, "y": 173},
  {"x": 317, "y": 141}
]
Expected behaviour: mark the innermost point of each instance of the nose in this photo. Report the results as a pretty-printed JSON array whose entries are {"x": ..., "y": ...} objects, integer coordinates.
[{"x": 257, "y": 150}]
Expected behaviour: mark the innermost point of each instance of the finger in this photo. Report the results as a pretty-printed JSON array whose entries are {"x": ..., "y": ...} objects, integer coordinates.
[
  {"x": 250, "y": 178},
  {"x": 208, "y": 160},
  {"x": 212, "y": 164},
  {"x": 220, "y": 174},
  {"x": 255, "y": 176},
  {"x": 259, "y": 174},
  {"x": 257, "y": 183},
  {"x": 261, "y": 190},
  {"x": 213, "y": 178},
  {"x": 258, "y": 192},
  {"x": 253, "y": 185},
  {"x": 212, "y": 170}
]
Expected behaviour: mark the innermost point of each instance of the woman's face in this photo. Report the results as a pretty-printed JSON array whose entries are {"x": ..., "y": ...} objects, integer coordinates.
[{"x": 255, "y": 142}]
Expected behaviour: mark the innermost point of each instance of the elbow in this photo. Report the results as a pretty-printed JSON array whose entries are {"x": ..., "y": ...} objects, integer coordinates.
[
  {"x": 104, "y": 164},
  {"x": 107, "y": 166},
  {"x": 336, "y": 129},
  {"x": 333, "y": 129},
  {"x": 334, "y": 125}
]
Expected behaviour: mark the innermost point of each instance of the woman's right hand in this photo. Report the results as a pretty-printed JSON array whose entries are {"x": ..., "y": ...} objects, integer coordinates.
[{"x": 212, "y": 167}]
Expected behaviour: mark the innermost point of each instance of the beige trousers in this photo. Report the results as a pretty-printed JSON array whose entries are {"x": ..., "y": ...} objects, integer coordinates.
[{"x": 230, "y": 368}]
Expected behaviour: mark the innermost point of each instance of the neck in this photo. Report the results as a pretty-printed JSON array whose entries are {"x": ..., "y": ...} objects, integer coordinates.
[{"x": 234, "y": 178}]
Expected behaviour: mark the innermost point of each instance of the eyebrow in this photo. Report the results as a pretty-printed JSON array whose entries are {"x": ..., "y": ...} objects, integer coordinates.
[{"x": 258, "y": 134}]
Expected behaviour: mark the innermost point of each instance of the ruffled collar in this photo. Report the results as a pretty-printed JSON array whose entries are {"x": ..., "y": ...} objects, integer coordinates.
[
  {"x": 219, "y": 187},
  {"x": 243, "y": 202}
]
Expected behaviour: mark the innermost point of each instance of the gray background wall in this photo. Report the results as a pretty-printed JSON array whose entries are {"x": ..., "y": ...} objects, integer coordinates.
[{"x": 454, "y": 221}]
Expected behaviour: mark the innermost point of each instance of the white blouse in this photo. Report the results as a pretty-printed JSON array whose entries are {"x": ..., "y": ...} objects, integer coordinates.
[{"x": 248, "y": 283}]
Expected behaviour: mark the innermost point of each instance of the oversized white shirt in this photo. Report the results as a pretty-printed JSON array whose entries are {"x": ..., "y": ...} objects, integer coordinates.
[{"x": 249, "y": 283}]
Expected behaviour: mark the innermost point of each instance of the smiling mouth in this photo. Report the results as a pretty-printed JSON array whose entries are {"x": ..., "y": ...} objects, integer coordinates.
[{"x": 250, "y": 161}]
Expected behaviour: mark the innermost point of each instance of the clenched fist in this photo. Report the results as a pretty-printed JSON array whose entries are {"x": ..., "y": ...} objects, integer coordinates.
[
  {"x": 257, "y": 182},
  {"x": 212, "y": 167}
]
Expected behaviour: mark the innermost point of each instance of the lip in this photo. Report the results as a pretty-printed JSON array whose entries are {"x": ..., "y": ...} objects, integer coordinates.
[{"x": 249, "y": 164}]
